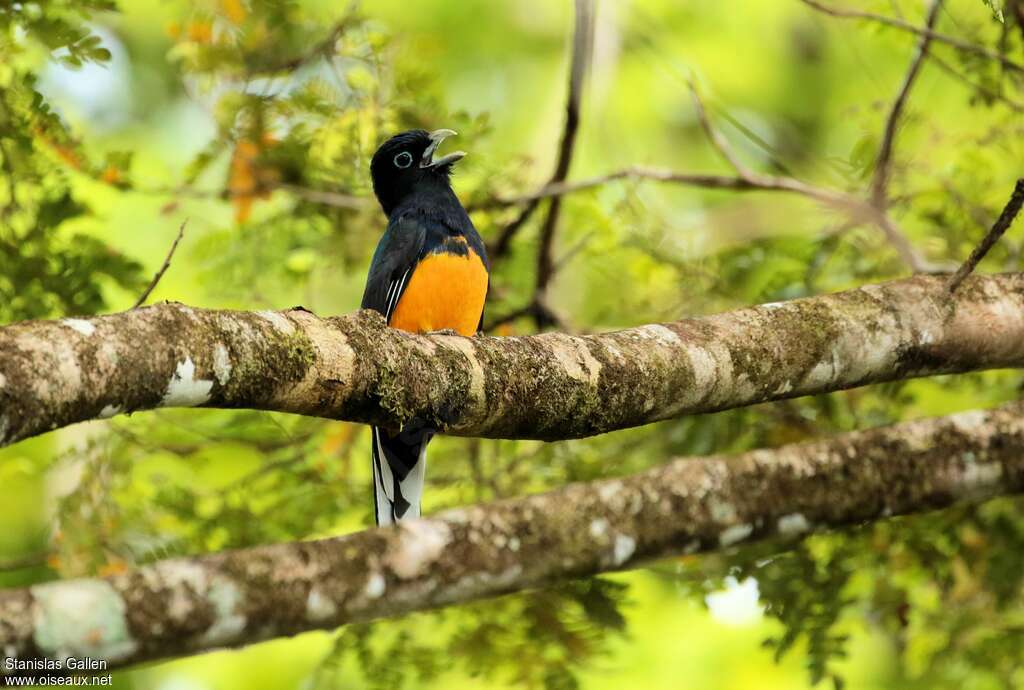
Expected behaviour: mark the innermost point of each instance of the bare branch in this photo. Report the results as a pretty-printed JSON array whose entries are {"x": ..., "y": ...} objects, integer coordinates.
[
  {"x": 581, "y": 48},
  {"x": 324, "y": 48},
  {"x": 328, "y": 198},
  {"x": 855, "y": 206},
  {"x": 957, "y": 43},
  {"x": 980, "y": 87},
  {"x": 900, "y": 242},
  {"x": 883, "y": 161},
  {"x": 1001, "y": 225},
  {"x": 551, "y": 386},
  {"x": 163, "y": 269},
  {"x": 30, "y": 560},
  {"x": 715, "y": 137},
  {"x": 190, "y": 605}
]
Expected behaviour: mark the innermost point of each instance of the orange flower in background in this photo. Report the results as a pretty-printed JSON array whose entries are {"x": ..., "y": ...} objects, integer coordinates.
[
  {"x": 113, "y": 567},
  {"x": 111, "y": 175},
  {"x": 200, "y": 31},
  {"x": 247, "y": 181},
  {"x": 235, "y": 10}
]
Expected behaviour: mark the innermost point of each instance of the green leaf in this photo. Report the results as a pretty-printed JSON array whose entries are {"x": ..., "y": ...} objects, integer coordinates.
[{"x": 997, "y": 8}]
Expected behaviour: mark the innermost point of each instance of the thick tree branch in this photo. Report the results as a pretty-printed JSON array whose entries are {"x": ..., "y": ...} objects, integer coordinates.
[
  {"x": 234, "y": 598},
  {"x": 550, "y": 386}
]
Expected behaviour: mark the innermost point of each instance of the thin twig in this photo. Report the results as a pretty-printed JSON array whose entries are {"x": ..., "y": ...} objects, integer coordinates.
[
  {"x": 322, "y": 49},
  {"x": 582, "y": 43},
  {"x": 1001, "y": 225},
  {"x": 163, "y": 269},
  {"x": 755, "y": 180},
  {"x": 855, "y": 206},
  {"x": 705, "y": 181},
  {"x": 957, "y": 43},
  {"x": 30, "y": 560},
  {"x": 500, "y": 247},
  {"x": 977, "y": 86},
  {"x": 883, "y": 162},
  {"x": 715, "y": 137},
  {"x": 581, "y": 47},
  {"x": 327, "y": 198}
]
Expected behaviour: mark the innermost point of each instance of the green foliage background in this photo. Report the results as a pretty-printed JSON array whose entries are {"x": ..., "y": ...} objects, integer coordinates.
[{"x": 119, "y": 123}]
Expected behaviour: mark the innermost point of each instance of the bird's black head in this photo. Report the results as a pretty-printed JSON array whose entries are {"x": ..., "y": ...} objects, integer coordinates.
[{"x": 405, "y": 164}]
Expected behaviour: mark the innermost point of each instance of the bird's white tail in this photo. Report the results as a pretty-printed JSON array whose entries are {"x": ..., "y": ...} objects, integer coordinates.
[{"x": 399, "y": 469}]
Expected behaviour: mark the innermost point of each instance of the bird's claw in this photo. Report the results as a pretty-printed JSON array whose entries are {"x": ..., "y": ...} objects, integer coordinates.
[{"x": 443, "y": 331}]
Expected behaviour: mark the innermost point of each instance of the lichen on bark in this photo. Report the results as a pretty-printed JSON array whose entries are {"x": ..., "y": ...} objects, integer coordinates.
[
  {"x": 550, "y": 386},
  {"x": 689, "y": 505}
]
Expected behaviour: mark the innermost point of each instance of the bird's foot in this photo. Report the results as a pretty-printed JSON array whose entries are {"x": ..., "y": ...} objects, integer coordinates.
[{"x": 443, "y": 331}]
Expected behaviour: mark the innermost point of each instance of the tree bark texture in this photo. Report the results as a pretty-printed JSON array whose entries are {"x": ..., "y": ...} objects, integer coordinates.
[
  {"x": 551, "y": 386},
  {"x": 191, "y": 605}
]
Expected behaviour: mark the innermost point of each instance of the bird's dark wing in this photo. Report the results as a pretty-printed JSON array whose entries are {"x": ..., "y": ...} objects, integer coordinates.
[
  {"x": 398, "y": 252},
  {"x": 397, "y": 459}
]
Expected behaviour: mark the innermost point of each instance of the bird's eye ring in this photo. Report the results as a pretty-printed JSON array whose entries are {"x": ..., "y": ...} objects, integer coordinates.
[{"x": 403, "y": 160}]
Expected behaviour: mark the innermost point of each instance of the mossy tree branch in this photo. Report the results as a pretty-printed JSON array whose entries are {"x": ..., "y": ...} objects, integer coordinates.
[
  {"x": 551, "y": 386},
  {"x": 190, "y": 605}
]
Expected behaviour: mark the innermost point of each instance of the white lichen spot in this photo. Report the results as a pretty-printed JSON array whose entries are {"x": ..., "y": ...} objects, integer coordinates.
[
  {"x": 609, "y": 490},
  {"x": 575, "y": 358},
  {"x": 703, "y": 365},
  {"x": 977, "y": 475},
  {"x": 375, "y": 586},
  {"x": 318, "y": 607},
  {"x": 277, "y": 320},
  {"x": 81, "y": 618},
  {"x": 221, "y": 364},
  {"x": 109, "y": 411},
  {"x": 183, "y": 580},
  {"x": 184, "y": 389},
  {"x": 623, "y": 549},
  {"x": 659, "y": 333},
  {"x": 735, "y": 534},
  {"x": 84, "y": 327},
  {"x": 598, "y": 528},
  {"x": 721, "y": 511},
  {"x": 474, "y": 585},
  {"x": 792, "y": 525},
  {"x": 419, "y": 545},
  {"x": 970, "y": 420},
  {"x": 785, "y": 387},
  {"x": 513, "y": 544},
  {"x": 228, "y": 622},
  {"x": 773, "y": 305}
]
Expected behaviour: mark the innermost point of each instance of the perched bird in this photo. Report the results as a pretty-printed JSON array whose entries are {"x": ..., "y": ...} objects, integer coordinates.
[{"x": 429, "y": 273}]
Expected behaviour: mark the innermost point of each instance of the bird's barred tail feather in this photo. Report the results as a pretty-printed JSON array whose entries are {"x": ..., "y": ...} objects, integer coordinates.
[{"x": 399, "y": 468}]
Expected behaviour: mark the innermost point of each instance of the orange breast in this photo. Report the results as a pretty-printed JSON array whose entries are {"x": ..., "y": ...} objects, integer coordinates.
[{"x": 446, "y": 291}]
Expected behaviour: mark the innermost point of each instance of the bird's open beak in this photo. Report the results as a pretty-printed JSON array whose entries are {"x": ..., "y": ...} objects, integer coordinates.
[{"x": 436, "y": 137}]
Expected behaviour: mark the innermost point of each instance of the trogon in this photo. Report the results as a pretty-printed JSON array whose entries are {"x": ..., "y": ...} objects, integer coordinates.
[{"x": 429, "y": 273}]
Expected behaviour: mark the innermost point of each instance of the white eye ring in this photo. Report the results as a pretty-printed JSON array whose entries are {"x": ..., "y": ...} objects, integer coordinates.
[{"x": 403, "y": 160}]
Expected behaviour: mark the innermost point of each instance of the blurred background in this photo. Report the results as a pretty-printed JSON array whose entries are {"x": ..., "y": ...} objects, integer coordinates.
[{"x": 252, "y": 122}]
